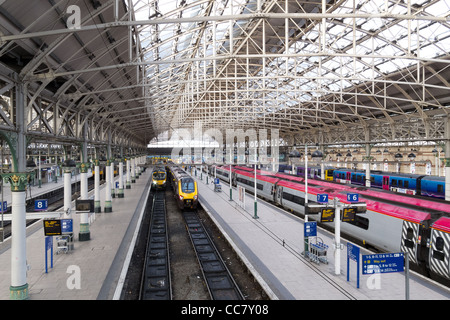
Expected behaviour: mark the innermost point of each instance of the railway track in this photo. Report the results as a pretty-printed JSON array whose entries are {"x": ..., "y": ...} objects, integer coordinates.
[
  {"x": 156, "y": 282},
  {"x": 218, "y": 279}
]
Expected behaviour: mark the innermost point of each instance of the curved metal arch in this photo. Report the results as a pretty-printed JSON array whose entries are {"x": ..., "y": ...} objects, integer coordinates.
[{"x": 35, "y": 62}]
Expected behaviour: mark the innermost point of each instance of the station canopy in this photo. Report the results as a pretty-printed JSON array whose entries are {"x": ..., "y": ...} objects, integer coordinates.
[{"x": 151, "y": 66}]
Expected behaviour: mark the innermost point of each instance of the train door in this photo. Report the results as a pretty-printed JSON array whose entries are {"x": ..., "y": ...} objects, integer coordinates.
[
  {"x": 279, "y": 195},
  {"x": 349, "y": 177},
  {"x": 386, "y": 182},
  {"x": 410, "y": 236}
]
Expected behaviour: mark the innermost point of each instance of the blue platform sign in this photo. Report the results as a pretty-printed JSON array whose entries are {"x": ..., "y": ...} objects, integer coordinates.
[
  {"x": 66, "y": 225},
  {"x": 352, "y": 197},
  {"x": 5, "y": 206},
  {"x": 310, "y": 229},
  {"x": 40, "y": 205},
  {"x": 353, "y": 254},
  {"x": 322, "y": 197},
  {"x": 383, "y": 263}
]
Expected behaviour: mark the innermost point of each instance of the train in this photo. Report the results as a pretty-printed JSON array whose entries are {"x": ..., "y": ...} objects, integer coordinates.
[
  {"x": 184, "y": 188},
  {"x": 391, "y": 223},
  {"x": 413, "y": 184},
  {"x": 159, "y": 178}
]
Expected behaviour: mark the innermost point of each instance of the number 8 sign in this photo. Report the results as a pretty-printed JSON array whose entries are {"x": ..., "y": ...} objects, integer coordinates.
[
  {"x": 40, "y": 204},
  {"x": 352, "y": 197}
]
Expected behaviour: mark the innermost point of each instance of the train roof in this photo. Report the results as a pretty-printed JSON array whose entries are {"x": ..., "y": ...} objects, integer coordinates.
[
  {"x": 442, "y": 224},
  {"x": 434, "y": 178},
  {"x": 372, "y": 205},
  {"x": 258, "y": 176}
]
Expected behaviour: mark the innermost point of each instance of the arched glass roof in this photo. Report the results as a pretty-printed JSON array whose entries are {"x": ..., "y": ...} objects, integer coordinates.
[{"x": 151, "y": 65}]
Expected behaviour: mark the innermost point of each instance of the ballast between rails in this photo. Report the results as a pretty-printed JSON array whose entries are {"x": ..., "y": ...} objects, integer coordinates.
[
  {"x": 218, "y": 278},
  {"x": 156, "y": 281},
  {"x": 390, "y": 227}
]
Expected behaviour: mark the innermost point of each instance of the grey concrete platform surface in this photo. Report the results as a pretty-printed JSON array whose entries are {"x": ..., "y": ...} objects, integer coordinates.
[
  {"x": 272, "y": 247},
  {"x": 90, "y": 271}
]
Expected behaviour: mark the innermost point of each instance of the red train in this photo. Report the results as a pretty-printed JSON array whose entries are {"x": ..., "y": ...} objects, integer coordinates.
[{"x": 392, "y": 222}]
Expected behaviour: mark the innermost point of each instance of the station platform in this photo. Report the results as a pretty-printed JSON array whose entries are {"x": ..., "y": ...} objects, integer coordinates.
[
  {"x": 272, "y": 245},
  {"x": 95, "y": 265}
]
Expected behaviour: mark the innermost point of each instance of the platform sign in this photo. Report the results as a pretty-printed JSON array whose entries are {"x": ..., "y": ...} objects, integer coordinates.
[
  {"x": 52, "y": 227},
  {"x": 383, "y": 263},
  {"x": 353, "y": 254},
  {"x": 310, "y": 229},
  {"x": 66, "y": 225},
  {"x": 40, "y": 205},
  {"x": 352, "y": 197},
  {"x": 322, "y": 198},
  {"x": 4, "y": 208},
  {"x": 327, "y": 215}
]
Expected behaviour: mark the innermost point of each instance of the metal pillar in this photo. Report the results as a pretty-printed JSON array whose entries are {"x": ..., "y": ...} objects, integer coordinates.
[
  {"x": 97, "y": 205},
  {"x": 120, "y": 193},
  {"x": 128, "y": 184},
  {"x": 108, "y": 202},
  {"x": 84, "y": 234},
  {"x": 113, "y": 187},
  {"x": 133, "y": 170}
]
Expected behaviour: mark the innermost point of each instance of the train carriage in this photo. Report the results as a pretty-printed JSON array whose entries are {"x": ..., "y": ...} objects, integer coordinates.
[
  {"x": 265, "y": 185},
  {"x": 185, "y": 189},
  {"x": 440, "y": 247}
]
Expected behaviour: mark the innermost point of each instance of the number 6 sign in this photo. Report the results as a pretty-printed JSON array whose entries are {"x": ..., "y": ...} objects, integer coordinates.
[{"x": 352, "y": 197}]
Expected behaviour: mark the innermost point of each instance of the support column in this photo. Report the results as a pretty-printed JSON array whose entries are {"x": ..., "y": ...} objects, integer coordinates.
[
  {"x": 85, "y": 233},
  {"x": 128, "y": 184},
  {"x": 120, "y": 193},
  {"x": 108, "y": 201},
  {"x": 133, "y": 170},
  {"x": 113, "y": 187},
  {"x": 68, "y": 193},
  {"x": 97, "y": 205},
  {"x": 19, "y": 286}
]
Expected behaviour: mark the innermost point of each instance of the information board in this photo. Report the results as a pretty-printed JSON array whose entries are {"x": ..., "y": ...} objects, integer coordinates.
[
  {"x": 327, "y": 215},
  {"x": 383, "y": 263},
  {"x": 310, "y": 229},
  {"x": 52, "y": 227},
  {"x": 67, "y": 225},
  {"x": 348, "y": 214}
]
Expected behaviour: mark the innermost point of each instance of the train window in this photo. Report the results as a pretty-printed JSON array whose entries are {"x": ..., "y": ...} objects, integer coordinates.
[
  {"x": 409, "y": 243},
  {"x": 406, "y": 184},
  {"x": 360, "y": 222},
  {"x": 187, "y": 185},
  {"x": 260, "y": 186},
  {"x": 394, "y": 182},
  {"x": 440, "y": 188},
  {"x": 440, "y": 243},
  {"x": 400, "y": 183}
]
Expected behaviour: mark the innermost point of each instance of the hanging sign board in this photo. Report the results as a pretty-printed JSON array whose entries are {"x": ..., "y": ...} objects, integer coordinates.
[
  {"x": 348, "y": 214},
  {"x": 52, "y": 227},
  {"x": 84, "y": 205},
  {"x": 327, "y": 215}
]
